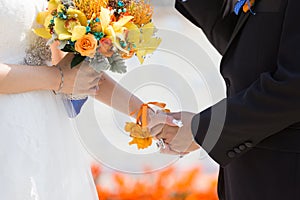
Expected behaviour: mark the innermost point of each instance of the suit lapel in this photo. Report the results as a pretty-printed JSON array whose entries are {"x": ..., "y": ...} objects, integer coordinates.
[{"x": 241, "y": 21}]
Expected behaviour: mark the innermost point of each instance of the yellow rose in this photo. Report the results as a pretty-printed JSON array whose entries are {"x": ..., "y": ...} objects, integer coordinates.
[{"x": 86, "y": 45}]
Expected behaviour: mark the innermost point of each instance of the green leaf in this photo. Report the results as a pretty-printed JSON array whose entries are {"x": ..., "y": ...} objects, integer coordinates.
[
  {"x": 77, "y": 60},
  {"x": 117, "y": 64},
  {"x": 68, "y": 48}
]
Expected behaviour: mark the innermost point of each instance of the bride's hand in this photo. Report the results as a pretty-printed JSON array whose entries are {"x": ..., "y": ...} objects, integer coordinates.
[
  {"x": 158, "y": 119},
  {"x": 82, "y": 79}
]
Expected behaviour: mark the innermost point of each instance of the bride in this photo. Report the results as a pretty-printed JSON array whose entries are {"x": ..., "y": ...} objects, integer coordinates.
[{"x": 41, "y": 159}]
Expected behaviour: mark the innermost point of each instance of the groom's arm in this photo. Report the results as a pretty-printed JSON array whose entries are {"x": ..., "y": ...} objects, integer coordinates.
[
  {"x": 269, "y": 105},
  {"x": 209, "y": 16}
]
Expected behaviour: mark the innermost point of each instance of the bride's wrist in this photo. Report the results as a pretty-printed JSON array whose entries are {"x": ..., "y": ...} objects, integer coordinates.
[
  {"x": 61, "y": 83},
  {"x": 55, "y": 78}
]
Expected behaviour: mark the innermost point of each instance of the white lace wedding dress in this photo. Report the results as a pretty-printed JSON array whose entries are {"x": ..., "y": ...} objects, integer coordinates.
[{"x": 41, "y": 157}]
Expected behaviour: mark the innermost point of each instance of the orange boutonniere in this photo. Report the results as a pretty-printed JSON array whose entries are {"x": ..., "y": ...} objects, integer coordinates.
[
  {"x": 245, "y": 4},
  {"x": 248, "y": 6}
]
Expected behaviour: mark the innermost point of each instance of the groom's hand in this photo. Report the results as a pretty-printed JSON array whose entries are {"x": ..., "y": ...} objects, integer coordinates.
[{"x": 179, "y": 140}]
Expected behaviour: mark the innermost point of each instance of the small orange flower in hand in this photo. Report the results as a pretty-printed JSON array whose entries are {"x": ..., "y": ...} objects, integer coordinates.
[
  {"x": 139, "y": 131},
  {"x": 141, "y": 136}
]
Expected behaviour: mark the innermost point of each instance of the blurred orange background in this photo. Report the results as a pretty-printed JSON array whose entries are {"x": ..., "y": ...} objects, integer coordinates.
[{"x": 167, "y": 184}]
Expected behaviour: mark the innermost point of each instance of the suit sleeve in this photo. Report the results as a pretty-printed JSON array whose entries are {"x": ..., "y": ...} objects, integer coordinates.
[
  {"x": 208, "y": 15},
  {"x": 266, "y": 107}
]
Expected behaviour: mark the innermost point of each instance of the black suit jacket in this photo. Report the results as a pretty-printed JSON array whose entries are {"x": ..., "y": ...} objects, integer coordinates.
[
  {"x": 254, "y": 133},
  {"x": 261, "y": 68}
]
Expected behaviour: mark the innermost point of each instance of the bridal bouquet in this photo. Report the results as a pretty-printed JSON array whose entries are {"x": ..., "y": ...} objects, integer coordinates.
[{"x": 103, "y": 32}]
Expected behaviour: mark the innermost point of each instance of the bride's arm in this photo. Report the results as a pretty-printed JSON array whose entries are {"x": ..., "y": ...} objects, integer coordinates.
[
  {"x": 116, "y": 96},
  {"x": 23, "y": 78},
  {"x": 20, "y": 78}
]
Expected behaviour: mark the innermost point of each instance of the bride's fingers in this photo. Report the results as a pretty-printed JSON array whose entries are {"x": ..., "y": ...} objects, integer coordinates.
[
  {"x": 93, "y": 91},
  {"x": 102, "y": 79},
  {"x": 156, "y": 130},
  {"x": 169, "y": 150},
  {"x": 161, "y": 118},
  {"x": 172, "y": 119},
  {"x": 95, "y": 81}
]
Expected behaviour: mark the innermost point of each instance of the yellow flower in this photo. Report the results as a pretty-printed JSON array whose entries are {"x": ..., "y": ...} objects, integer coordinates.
[
  {"x": 53, "y": 5},
  {"x": 141, "y": 136},
  {"x": 97, "y": 27},
  {"x": 143, "y": 39},
  {"x": 142, "y": 12},
  {"x": 90, "y": 8},
  {"x": 129, "y": 126},
  {"x": 141, "y": 143},
  {"x": 115, "y": 31},
  {"x": 44, "y": 18},
  {"x": 86, "y": 45},
  {"x": 77, "y": 14},
  {"x": 73, "y": 28},
  {"x": 69, "y": 29},
  {"x": 42, "y": 32}
]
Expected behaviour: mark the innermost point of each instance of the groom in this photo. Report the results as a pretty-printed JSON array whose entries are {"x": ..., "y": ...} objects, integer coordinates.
[{"x": 254, "y": 133}]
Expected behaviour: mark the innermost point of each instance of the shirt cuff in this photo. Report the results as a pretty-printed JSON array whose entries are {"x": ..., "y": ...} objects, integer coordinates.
[{"x": 200, "y": 124}]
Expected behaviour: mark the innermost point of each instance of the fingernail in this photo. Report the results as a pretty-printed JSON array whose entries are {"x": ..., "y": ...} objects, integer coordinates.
[{"x": 177, "y": 123}]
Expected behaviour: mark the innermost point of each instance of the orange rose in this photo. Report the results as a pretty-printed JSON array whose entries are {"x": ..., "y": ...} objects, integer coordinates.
[
  {"x": 86, "y": 45},
  {"x": 106, "y": 47}
]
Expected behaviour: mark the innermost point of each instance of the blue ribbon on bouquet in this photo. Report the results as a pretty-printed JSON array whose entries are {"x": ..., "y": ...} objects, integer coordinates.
[
  {"x": 73, "y": 106},
  {"x": 77, "y": 105}
]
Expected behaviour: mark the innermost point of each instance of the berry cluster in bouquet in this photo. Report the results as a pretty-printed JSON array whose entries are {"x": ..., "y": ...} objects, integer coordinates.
[{"x": 103, "y": 32}]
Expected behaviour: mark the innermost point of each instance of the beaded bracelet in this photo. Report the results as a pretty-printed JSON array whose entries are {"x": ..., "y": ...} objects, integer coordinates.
[{"x": 61, "y": 85}]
